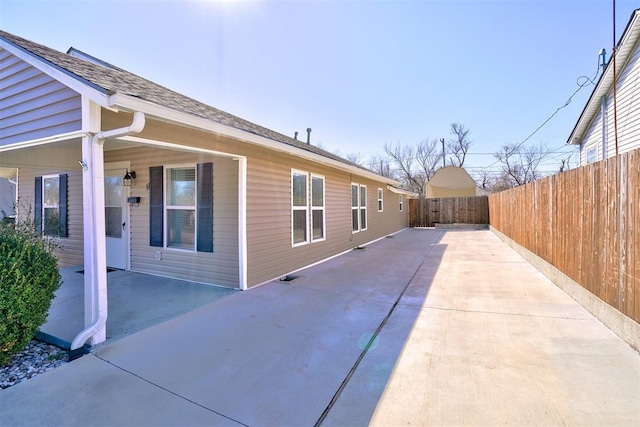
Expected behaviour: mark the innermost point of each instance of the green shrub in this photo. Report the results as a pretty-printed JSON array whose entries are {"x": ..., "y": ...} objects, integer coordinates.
[{"x": 28, "y": 279}]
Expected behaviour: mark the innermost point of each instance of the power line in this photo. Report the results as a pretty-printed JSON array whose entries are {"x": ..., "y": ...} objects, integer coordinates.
[{"x": 586, "y": 82}]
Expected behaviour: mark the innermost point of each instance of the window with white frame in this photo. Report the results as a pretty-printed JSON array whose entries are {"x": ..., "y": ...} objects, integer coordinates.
[
  {"x": 50, "y": 205},
  {"x": 317, "y": 208},
  {"x": 307, "y": 208},
  {"x": 358, "y": 207},
  {"x": 299, "y": 208},
  {"x": 363, "y": 207},
  {"x": 401, "y": 203},
  {"x": 591, "y": 155},
  {"x": 380, "y": 200},
  {"x": 180, "y": 207}
]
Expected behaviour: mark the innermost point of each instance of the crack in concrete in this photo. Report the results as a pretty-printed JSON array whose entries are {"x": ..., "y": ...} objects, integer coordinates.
[{"x": 169, "y": 391}]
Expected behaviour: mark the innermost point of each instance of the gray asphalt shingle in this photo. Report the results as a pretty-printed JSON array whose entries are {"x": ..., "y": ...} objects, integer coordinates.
[{"x": 116, "y": 80}]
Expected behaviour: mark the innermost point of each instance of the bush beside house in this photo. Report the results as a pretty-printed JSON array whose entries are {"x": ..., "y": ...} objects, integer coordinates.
[{"x": 28, "y": 279}]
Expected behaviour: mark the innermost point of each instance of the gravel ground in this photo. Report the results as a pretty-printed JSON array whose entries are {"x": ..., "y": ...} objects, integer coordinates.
[{"x": 37, "y": 357}]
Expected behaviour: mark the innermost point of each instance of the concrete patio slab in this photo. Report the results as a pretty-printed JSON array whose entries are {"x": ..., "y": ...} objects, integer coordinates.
[
  {"x": 91, "y": 392},
  {"x": 457, "y": 328},
  {"x": 136, "y": 301},
  {"x": 497, "y": 343}
]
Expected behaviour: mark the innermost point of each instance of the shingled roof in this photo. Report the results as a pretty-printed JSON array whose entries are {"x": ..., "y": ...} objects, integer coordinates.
[{"x": 118, "y": 81}]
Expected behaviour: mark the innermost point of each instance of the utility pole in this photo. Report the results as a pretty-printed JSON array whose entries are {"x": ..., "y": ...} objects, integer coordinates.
[{"x": 444, "y": 155}]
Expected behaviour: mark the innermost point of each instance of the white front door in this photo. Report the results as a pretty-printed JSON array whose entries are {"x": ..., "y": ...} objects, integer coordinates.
[{"x": 116, "y": 218}]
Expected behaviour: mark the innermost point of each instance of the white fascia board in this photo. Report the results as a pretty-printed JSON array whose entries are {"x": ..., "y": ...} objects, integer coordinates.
[
  {"x": 46, "y": 140},
  {"x": 624, "y": 52},
  {"x": 73, "y": 83},
  {"x": 129, "y": 103},
  {"x": 177, "y": 147},
  {"x": 401, "y": 191}
]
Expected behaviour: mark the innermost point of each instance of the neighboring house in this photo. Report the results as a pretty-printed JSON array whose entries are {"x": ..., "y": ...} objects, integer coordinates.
[
  {"x": 213, "y": 198},
  {"x": 451, "y": 181},
  {"x": 595, "y": 130}
]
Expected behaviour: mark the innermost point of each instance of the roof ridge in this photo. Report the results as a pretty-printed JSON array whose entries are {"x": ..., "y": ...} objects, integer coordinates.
[{"x": 118, "y": 80}]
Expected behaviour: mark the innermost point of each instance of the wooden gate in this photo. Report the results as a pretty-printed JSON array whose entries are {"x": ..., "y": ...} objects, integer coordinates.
[{"x": 448, "y": 210}]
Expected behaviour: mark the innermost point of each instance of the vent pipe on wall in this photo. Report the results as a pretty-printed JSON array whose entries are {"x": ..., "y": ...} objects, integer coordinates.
[{"x": 603, "y": 58}]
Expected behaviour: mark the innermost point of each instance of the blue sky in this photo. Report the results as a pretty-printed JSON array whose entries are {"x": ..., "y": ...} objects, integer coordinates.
[{"x": 359, "y": 73}]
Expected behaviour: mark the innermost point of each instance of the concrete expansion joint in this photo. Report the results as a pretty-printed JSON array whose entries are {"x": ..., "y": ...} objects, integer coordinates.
[
  {"x": 426, "y": 307},
  {"x": 373, "y": 338},
  {"x": 169, "y": 391}
]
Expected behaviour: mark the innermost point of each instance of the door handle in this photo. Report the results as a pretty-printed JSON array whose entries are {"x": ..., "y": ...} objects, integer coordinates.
[{"x": 123, "y": 224}]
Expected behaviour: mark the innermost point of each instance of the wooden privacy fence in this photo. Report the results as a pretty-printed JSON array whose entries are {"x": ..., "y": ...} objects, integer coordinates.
[
  {"x": 448, "y": 210},
  {"x": 585, "y": 222}
]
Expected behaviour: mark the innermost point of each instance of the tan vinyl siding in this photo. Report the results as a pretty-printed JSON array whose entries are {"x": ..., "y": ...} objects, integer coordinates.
[
  {"x": 62, "y": 156},
  {"x": 269, "y": 249},
  {"x": 219, "y": 267},
  {"x": 33, "y": 105},
  {"x": 70, "y": 249}
]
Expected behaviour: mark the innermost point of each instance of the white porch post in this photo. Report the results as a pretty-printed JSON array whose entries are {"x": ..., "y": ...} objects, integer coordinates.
[
  {"x": 95, "y": 258},
  {"x": 242, "y": 223}
]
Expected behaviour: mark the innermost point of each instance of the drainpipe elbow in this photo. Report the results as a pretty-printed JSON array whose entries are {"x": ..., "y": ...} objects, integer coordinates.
[{"x": 83, "y": 336}]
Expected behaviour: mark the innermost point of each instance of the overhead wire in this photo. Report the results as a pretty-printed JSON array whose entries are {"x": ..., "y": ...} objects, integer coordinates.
[{"x": 586, "y": 81}]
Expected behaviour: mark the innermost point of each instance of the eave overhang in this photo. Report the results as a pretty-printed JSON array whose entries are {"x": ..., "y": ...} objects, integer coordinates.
[
  {"x": 159, "y": 112},
  {"x": 623, "y": 52},
  {"x": 76, "y": 83}
]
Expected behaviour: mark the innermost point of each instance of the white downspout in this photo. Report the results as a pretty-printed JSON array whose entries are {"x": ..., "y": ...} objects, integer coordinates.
[{"x": 101, "y": 297}]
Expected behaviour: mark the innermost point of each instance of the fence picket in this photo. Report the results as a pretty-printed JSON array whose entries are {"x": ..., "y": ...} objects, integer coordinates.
[{"x": 585, "y": 222}]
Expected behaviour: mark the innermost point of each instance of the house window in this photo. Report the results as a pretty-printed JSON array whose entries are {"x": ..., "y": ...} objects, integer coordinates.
[
  {"x": 358, "y": 207},
  {"x": 591, "y": 155},
  {"x": 401, "y": 203},
  {"x": 50, "y": 205},
  {"x": 181, "y": 207},
  {"x": 307, "y": 208},
  {"x": 50, "y": 211},
  {"x": 299, "y": 208},
  {"x": 380, "y": 201},
  {"x": 317, "y": 208}
]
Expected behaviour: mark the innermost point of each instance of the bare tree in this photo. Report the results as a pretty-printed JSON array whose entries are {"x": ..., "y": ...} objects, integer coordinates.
[
  {"x": 520, "y": 164},
  {"x": 565, "y": 165},
  {"x": 459, "y": 144},
  {"x": 414, "y": 164},
  {"x": 428, "y": 157},
  {"x": 484, "y": 179},
  {"x": 356, "y": 158},
  {"x": 381, "y": 166}
]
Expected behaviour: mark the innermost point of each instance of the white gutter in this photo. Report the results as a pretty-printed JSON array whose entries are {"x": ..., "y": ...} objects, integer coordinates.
[
  {"x": 127, "y": 102},
  {"x": 401, "y": 191},
  {"x": 623, "y": 52},
  {"x": 40, "y": 141},
  {"x": 101, "y": 297}
]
